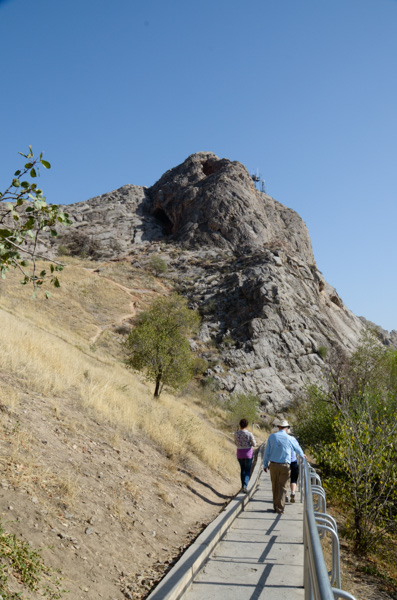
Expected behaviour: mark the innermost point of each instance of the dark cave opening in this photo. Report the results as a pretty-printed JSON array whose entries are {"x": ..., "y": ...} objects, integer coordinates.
[
  {"x": 161, "y": 216},
  {"x": 210, "y": 167}
]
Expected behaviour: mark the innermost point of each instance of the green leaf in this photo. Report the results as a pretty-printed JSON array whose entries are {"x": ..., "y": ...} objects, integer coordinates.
[
  {"x": 33, "y": 172},
  {"x": 47, "y": 295},
  {"x": 29, "y": 223},
  {"x": 28, "y": 165},
  {"x": 45, "y": 164},
  {"x": 56, "y": 282},
  {"x": 53, "y": 233},
  {"x": 16, "y": 182},
  {"x": 17, "y": 173}
]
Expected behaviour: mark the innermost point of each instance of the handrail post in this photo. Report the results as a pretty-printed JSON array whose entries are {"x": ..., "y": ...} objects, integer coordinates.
[{"x": 315, "y": 574}]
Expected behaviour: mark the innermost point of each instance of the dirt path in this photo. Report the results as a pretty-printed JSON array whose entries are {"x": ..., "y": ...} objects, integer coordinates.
[{"x": 134, "y": 293}]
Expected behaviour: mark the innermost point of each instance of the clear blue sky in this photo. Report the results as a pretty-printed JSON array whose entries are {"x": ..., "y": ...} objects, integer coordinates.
[{"x": 117, "y": 92}]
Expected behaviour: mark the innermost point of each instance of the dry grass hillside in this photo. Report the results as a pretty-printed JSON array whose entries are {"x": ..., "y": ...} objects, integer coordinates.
[{"x": 105, "y": 482}]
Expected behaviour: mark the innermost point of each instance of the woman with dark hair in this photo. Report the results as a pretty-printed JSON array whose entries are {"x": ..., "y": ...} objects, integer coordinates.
[{"x": 244, "y": 441}]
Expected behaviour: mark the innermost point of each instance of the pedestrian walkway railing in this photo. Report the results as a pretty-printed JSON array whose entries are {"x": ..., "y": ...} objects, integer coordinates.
[{"x": 319, "y": 583}]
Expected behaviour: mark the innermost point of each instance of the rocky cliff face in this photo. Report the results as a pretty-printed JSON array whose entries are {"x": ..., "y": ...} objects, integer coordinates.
[
  {"x": 207, "y": 201},
  {"x": 244, "y": 260}
]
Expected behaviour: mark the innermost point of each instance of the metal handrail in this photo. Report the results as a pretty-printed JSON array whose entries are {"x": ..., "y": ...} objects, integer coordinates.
[
  {"x": 321, "y": 504},
  {"x": 342, "y": 594},
  {"x": 334, "y": 573},
  {"x": 317, "y": 583},
  {"x": 331, "y": 521},
  {"x": 314, "y": 477}
]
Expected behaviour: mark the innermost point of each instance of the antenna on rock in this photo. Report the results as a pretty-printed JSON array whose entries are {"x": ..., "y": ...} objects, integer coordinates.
[{"x": 259, "y": 182}]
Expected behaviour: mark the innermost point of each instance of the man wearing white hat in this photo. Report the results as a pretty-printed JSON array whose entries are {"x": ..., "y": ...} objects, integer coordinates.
[{"x": 278, "y": 456}]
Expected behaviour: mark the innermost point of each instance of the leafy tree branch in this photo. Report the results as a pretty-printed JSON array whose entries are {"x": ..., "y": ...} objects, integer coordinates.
[{"x": 24, "y": 216}]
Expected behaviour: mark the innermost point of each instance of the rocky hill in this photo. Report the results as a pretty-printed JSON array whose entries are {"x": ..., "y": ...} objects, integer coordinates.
[{"x": 245, "y": 262}]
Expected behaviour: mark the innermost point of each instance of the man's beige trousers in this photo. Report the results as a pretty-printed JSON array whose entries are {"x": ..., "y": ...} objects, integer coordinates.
[{"x": 280, "y": 474}]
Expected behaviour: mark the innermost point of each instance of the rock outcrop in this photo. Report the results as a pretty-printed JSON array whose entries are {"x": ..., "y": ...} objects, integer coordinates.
[
  {"x": 207, "y": 201},
  {"x": 244, "y": 260}
]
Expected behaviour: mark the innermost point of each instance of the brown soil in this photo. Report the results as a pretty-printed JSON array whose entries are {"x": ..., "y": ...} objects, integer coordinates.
[{"x": 108, "y": 512}]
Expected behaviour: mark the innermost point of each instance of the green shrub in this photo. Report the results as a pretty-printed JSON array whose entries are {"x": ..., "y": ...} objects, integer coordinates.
[
  {"x": 157, "y": 265},
  {"x": 242, "y": 406},
  {"x": 200, "y": 365},
  {"x": 322, "y": 352},
  {"x": 314, "y": 419},
  {"x": 211, "y": 384},
  {"x": 63, "y": 250}
]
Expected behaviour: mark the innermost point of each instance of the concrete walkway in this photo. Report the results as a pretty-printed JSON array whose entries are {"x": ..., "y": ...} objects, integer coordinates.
[{"x": 260, "y": 557}]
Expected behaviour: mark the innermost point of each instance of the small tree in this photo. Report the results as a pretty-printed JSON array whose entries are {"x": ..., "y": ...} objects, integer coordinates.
[
  {"x": 243, "y": 406},
  {"x": 24, "y": 216},
  {"x": 363, "y": 459},
  {"x": 159, "y": 345},
  {"x": 158, "y": 265},
  {"x": 315, "y": 414}
]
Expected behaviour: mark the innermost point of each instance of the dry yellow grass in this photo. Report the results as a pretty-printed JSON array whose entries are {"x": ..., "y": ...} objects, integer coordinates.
[
  {"x": 46, "y": 344},
  {"x": 9, "y": 397},
  {"x": 84, "y": 304}
]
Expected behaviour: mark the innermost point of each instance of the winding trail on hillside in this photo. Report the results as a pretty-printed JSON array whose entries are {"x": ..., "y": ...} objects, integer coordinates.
[{"x": 134, "y": 293}]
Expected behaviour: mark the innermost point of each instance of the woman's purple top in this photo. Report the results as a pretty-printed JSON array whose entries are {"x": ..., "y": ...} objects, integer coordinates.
[
  {"x": 244, "y": 441},
  {"x": 245, "y": 453}
]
